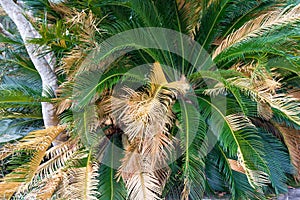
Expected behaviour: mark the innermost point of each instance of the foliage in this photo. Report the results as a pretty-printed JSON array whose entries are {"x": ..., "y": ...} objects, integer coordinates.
[{"x": 160, "y": 140}]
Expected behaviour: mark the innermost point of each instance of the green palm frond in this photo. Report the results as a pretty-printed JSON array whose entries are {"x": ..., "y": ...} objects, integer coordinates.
[
  {"x": 212, "y": 13},
  {"x": 220, "y": 174},
  {"x": 86, "y": 126},
  {"x": 109, "y": 187},
  {"x": 278, "y": 161},
  {"x": 19, "y": 94},
  {"x": 193, "y": 144},
  {"x": 239, "y": 137},
  {"x": 291, "y": 139}
]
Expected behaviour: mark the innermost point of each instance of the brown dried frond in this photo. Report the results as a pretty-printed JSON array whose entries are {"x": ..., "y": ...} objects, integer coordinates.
[
  {"x": 144, "y": 168},
  {"x": 50, "y": 187},
  {"x": 87, "y": 23},
  {"x": 264, "y": 110},
  {"x": 143, "y": 186},
  {"x": 259, "y": 26},
  {"x": 63, "y": 105},
  {"x": 80, "y": 183},
  {"x": 142, "y": 180},
  {"x": 146, "y": 116},
  {"x": 85, "y": 26},
  {"x": 261, "y": 93},
  {"x": 235, "y": 165},
  {"x": 295, "y": 93},
  {"x": 46, "y": 188},
  {"x": 62, "y": 9},
  {"x": 245, "y": 68},
  {"x": 57, "y": 157},
  {"x": 146, "y": 113}
]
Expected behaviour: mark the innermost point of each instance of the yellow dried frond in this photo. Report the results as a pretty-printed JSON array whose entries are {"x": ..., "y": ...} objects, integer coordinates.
[
  {"x": 72, "y": 61},
  {"x": 87, "y": 24},
  {"x": 157, "y": 76},
  {"x": 63, "y": 105},
  {"x": 144, "y": 116},
  {"x": 38, "y": 141},
  {"x": 258, "y": 26},
  {"x": 146, "y": 113},
  {"x": 8, "y": 189},
  {"x": 245, "y": 68}
]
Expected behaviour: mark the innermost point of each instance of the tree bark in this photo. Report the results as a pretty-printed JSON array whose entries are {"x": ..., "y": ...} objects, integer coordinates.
[{"x": 43, "y": 64}]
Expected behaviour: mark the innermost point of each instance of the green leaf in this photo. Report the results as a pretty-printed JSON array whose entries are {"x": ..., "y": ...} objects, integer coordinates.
[
  {"x": 109, "y": 188},
  {"x": 192, "y": 135}
]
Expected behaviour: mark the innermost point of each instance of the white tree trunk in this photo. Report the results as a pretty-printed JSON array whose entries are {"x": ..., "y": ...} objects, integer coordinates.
[{"x": 43, "y": 64}]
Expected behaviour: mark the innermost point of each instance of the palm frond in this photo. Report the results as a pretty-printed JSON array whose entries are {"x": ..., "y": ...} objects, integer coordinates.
[
  {"x": 108, "y": 186},
  {"x": 287, "y": 105},
  {"x": 188, "y": 23},
  {"x": 255, "y": 177},
  {"x": 239, "y": 137},
  {"x": 80, "y": 182},
  {"x": 278, "y": 161},
  {"x": 292, "y": 140},
  {"x": 259, "y": 26},
  {"x": 47, "y": 187},
  {"x": 37, "y": 141},
  {"x": 221, "y": 174},
  {"x": 142, "y": 179},
  {"x": 57, "y": 158},
  {"x": 143, "y": 186},
  {"x": 87, "y": 125},
  {"x": 192, "y": 135}
]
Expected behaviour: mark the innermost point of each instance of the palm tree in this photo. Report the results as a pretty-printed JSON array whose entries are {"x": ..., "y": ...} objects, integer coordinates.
[{"x": 153, "y": 141}]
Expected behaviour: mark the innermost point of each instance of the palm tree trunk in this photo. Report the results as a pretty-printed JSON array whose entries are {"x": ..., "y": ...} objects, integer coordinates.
[{"x": 43, "y": 64}]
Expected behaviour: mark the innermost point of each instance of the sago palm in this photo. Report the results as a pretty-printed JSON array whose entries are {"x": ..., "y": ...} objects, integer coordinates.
[{"x": 168, "y": 130}]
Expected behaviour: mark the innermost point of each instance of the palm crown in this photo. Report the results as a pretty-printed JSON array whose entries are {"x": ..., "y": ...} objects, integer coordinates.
[{"x": 226, "y": 123}]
